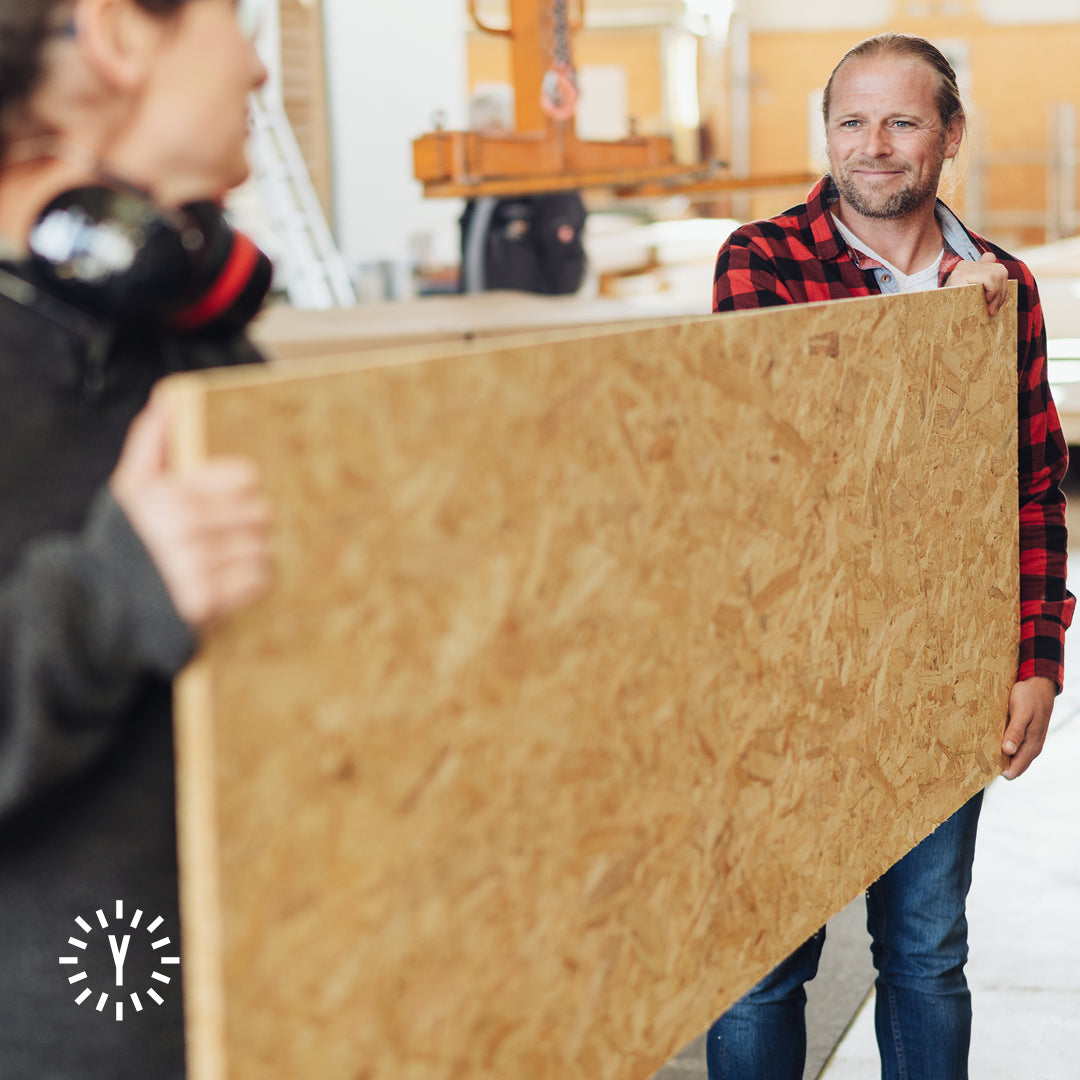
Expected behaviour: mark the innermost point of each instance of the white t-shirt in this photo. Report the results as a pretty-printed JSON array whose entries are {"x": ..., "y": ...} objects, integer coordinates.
[{"x": 921, "y": 281}]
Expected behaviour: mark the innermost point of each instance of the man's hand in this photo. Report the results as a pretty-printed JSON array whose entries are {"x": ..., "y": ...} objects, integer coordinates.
[
  {"x": 988, "y": 273},
  {"x": 1030, "y": 705},
  {"x": 206, "y": 529}
]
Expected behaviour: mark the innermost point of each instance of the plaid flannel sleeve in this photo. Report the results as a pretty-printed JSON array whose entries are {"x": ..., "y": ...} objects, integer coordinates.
[{"x": 1046, "y": 606}]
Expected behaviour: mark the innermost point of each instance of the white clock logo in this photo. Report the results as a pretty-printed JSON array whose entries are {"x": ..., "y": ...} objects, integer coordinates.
[{"x": 119, "y": 944}]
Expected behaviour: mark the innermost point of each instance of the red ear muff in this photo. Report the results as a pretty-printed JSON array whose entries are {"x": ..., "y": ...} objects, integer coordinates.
[
  {"x": 115, "y": 252},
  {"x": 233, "y": 277}
]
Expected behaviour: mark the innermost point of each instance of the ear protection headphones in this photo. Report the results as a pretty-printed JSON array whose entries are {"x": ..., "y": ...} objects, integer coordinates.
[{"x": 112, "y": 251}]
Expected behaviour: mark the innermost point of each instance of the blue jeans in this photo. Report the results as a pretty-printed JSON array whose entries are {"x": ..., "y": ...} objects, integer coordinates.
[{"x": 915, "y": 915}]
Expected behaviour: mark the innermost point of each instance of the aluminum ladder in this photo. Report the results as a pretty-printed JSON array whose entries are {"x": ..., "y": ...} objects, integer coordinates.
[{"x": 307, "y": 264}]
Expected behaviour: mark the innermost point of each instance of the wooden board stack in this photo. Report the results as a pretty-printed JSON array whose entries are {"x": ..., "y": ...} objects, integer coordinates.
[{"x": 600, "y": 669}]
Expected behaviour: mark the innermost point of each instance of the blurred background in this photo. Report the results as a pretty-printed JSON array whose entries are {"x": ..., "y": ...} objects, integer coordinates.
[{"x": 731, "y": 81}]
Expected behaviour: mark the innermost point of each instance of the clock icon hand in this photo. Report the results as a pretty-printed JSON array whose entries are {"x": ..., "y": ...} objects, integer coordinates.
[{"x": 119, "y": 955}]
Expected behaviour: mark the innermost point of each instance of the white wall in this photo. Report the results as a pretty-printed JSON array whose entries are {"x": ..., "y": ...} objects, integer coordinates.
[
  {"x": 608, "y": 13},
  {"x": 786, "y": 15},
  {"x": 391, "y": 64}
]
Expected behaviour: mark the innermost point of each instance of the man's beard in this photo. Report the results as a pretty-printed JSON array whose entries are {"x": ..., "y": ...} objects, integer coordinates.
[{"x": 912, "y": 196}]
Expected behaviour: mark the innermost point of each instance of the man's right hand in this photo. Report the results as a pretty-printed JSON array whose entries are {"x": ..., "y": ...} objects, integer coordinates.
[
  {"x": 206, "y": 529},
  {"x": 988, "y": 273}
]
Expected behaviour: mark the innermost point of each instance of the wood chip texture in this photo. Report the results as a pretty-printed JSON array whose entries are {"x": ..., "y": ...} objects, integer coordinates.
[{"x": 600, "y": 670}]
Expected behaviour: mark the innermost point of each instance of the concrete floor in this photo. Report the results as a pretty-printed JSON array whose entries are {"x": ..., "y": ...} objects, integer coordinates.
[{"x": 1024, "y": 969}]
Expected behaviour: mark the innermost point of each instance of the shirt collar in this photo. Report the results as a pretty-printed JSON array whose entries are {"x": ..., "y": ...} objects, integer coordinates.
[
  {"x": 827, "y": 239},
  {"x": 831, "y": 244}
]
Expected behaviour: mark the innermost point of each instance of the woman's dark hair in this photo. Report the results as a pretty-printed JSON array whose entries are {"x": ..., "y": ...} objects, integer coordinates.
[
  {"x": 909, "y": 46},
  {"x": 25, "y": 27}
]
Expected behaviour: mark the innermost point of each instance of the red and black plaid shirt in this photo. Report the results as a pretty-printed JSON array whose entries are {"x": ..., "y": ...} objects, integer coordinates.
[{"x": 800, "y": 256}]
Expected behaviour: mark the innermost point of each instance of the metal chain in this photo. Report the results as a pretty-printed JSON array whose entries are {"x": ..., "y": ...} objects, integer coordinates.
[
  {"x": 559, "y": 92},
  {"x": 560, "y": 52}
]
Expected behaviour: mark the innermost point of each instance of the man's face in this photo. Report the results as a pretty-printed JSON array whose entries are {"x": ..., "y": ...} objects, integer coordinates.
[{"x": 885, "y": 138}]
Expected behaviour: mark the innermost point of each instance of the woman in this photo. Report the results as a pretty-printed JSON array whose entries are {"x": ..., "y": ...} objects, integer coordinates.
[{"x": 122, "y": 125}]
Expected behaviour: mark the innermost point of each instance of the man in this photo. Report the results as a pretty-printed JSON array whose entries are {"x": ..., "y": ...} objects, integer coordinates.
[{"x": 893, "y": 116}]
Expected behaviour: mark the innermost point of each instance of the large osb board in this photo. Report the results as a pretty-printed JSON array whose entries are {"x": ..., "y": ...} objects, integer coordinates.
[{"x": 598, "y": 673}]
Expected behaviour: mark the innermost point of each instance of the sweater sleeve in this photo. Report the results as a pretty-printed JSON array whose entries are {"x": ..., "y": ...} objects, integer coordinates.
[{"x": 85, "y": 622}]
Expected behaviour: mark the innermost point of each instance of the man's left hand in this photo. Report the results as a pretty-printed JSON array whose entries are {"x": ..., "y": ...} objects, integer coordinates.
[
  {"x": 1030, "y": 705},
  {"x": 988, "y": 273}
]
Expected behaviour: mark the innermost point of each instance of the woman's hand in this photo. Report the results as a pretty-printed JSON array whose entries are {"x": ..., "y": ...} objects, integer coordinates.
[{"x": 206, "y": 529}]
